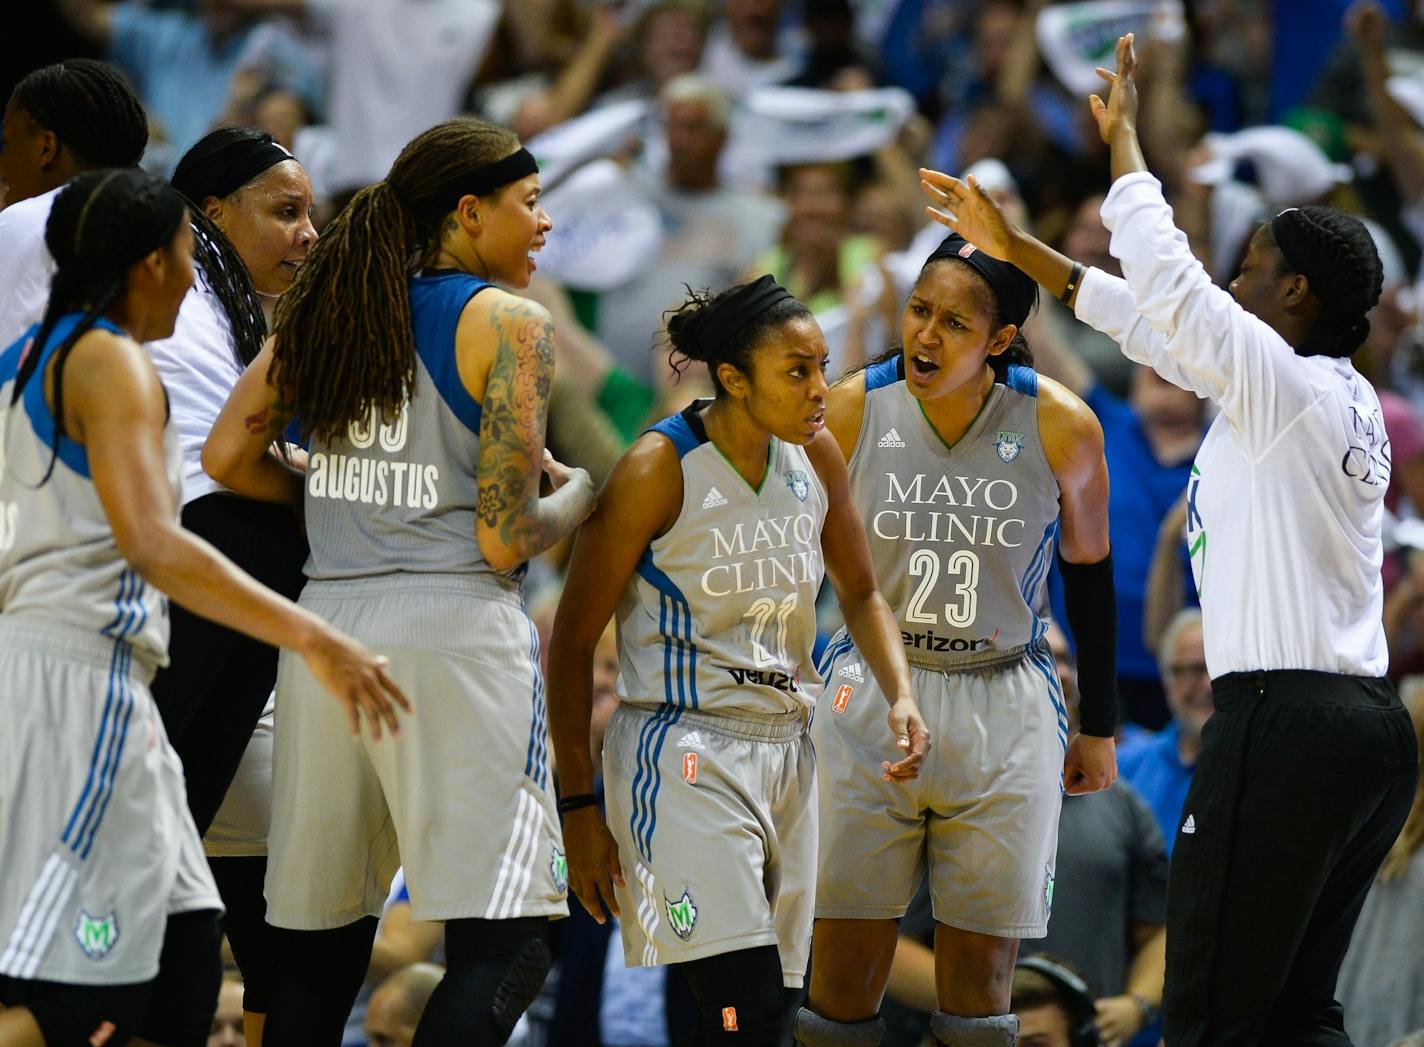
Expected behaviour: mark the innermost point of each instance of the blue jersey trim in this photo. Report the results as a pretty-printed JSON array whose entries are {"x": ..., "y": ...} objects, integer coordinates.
[
  {"x": 1022, "y": 379},
  {"x": 886, "y": 372},
  {"x": 677, "y": 429},
  {"x": 41, "y": 418},
  {"x": 436, "y": 303}
]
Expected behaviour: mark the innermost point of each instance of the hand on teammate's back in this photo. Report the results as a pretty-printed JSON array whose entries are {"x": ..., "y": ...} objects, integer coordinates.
[
  {"x": 357, "y": 679},
  {"x": 1090, "y": 765},
  {"x": 560, "y": 474},
  {"x": 593, "y": 861},
  {"x": 911, "y": 735}
]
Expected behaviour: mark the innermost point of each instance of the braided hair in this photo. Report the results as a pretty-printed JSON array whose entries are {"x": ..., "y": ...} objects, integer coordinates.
[
  {"x": 1347, "y": 275},
  {"x": 223, "y": 268},
  {"x": 91, "y": 109},
  {"x": 102, "y": 223},
  {"x": 344, "y": 340}
]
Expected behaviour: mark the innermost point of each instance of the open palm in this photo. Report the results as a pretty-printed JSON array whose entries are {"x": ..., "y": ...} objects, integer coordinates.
[{"x": 971, "y": 212}]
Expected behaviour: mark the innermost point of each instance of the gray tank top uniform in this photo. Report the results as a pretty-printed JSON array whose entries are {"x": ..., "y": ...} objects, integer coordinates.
[
  {"x": 962, "y": 537},
  {"x": 59, "y": 562},
  {"x": 720, "y": 615}
]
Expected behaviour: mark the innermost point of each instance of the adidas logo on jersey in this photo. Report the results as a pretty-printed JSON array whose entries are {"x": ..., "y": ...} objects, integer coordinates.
[
  {"x": 714, "y": 499},
  {"x": 1190, "y": 825},
  {"x": 691, "y": 740},
  {"x": 854, "y": 672},
  {"x": 891, "y": 439}
]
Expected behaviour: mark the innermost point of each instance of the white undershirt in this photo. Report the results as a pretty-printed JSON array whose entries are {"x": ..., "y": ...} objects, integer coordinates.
[
  {"x": 26, "y": 266},
  {"x": 1286, "y": 497}
]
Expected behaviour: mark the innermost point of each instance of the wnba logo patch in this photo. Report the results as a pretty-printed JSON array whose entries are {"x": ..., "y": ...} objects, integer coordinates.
[
  {"x": 842, "y": 698},
  {"x": 689, "y": 768},
  {"x": 729, "y": 1019}
]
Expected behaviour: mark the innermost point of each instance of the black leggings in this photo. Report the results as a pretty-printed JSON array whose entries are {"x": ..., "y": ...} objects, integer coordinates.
[{"x": 740, "y": 999}]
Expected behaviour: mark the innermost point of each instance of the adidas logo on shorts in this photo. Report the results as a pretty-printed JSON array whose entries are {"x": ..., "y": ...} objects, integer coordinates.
[
  {"x": 1190, "y": 825},
  {"x": 714, "y": 499},
  {"x": 854, "y": 672},
  {"x": 691, "y": 740},
  {"x": 891, "y": 439}
]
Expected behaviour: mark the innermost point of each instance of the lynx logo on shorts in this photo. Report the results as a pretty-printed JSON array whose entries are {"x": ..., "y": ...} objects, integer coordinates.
[
  {"x": 689, "y": 768},
  {"x": 1008, "y": 445},
  {"x": 798, "y": 483},
  {"x": 1048, "y": 889},
  {"x": 96, "y": 936},
  {"x": 559, "y": 868},
  {"x": 854, "y": 672},
  {"x": 842, "y": 698},
  {"x": 682, "y": 914}
]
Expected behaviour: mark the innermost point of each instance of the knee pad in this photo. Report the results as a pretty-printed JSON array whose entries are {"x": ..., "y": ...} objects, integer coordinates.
[
  {"x": 493, "y": 971},
  {"x": 814, "y": 1031},
  {"x": 185, "y": 992},
  {"x": 952, "y": 1030},
  {"x": 739, "y": 994}
]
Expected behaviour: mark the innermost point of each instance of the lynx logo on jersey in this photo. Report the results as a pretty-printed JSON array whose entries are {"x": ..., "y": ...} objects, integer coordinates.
[
  {"x": 682, "y": 915},
  {"x": 1008, "y": 445},
  {"x": 96, "y": 936},
  {"x": 559, "y": 869},
  {"x": 798, "y": 483}
]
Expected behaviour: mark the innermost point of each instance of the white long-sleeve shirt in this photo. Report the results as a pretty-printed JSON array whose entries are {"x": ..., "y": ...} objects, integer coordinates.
[{"x": 1286, "y": 498}]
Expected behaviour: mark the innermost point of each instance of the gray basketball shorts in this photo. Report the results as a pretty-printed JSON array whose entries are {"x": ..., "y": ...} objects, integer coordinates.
[
  {"x": 982, "y": 817},
  {"x": 462, "y": 798},
  {"x": 715, "y": 820},
  {"x": 97, "y": 846},
  {"x": 239, "y": 829}
]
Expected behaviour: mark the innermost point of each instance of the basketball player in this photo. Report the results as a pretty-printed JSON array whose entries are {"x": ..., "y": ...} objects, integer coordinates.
[
  {"x": 250, "y": 201},
  {"x": 425, "y": 394},
  {"x": 968, "y": 469},
  {"x": 710, "y": 541},
  {"x": 1308, "y": 765},
  {"x": 61, "y": 120},
  {"x": 108, "y": 920}
]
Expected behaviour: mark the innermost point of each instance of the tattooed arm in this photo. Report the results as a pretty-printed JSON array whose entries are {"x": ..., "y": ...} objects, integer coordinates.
[
  {"x": 239, "y": 453},
  {"x": 513, "y": 523}
]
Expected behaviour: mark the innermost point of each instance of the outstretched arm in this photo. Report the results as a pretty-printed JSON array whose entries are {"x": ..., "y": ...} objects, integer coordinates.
[{"x": 114, "y": 405}]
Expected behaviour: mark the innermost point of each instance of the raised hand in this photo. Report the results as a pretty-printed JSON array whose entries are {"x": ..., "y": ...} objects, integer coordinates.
[
  {"x": 1119, "y": 113},
  {"x": 970, "y": 211}
]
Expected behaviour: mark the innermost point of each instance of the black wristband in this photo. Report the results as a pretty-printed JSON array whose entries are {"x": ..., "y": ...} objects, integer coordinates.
[
  {"x": 1091, "y": 604},
  {"x": 573, "y": 803},
  {"x": 1072, "y": 285}
]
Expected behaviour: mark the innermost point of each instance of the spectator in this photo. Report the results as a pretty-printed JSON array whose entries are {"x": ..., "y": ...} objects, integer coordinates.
[
  {"x": 1109, "y": 895},
  {"x": 1160, "y": 766},
  {"x": 1053, "y": 1003},
  {"x": 396, "y": 1007},
  {"x": 712, "y": 233},
  {"x": 227, "y": 1021},
  {"x": 746, "y": 49},
  {"x": 183, "y": 62}
]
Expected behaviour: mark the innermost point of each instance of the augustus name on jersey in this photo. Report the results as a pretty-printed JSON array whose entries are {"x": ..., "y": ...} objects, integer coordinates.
[
  {"x": 961, "y": 537},
  {"x": 720, "y": 615}
]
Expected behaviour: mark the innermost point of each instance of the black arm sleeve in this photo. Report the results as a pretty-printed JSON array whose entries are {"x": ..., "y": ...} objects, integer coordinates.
[{"x": 1092, "y": 619}]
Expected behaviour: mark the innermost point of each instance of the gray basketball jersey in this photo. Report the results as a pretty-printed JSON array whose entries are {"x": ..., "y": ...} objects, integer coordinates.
[
  {"x": 962, "y": 537},
  {"x": 59, "y": 562},
  {"x": 721, "y": 613},
  {"x": 399, "y": 494}
]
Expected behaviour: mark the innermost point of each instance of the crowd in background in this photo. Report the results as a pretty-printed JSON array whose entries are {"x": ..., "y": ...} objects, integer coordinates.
[{"x": 696, "y": 142}]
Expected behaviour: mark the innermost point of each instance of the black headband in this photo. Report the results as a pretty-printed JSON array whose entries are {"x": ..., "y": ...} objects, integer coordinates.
[
  {"x": 1300, "y": 252},
  {"x": 442, "y": 199},
  {"x": 221, "y": 164},
  {"x": 740, "y": 307},
  {"x": 1017, "y": 294}
]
